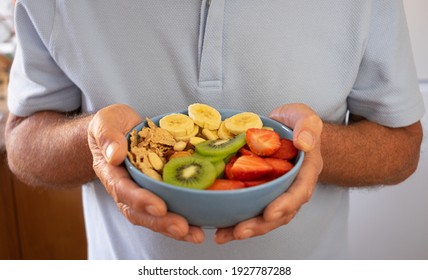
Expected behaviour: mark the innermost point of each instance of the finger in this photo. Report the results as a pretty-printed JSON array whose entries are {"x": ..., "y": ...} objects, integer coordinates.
[
  {"x": 300, "y": 192},
  {"x": 306, "y": 124},
  {"x": 224, "y": 235},
  {"x": 171, "y": 225},
  {"x": 123, "y": 190},
  {"x": 283, "y": 209},
  {"x": 143, "y": 208},
  {"x": 251, "y": 228},
  {"x": 139, "y": 199},
  {"x": 108, "y": 139},
  {"x": 108, "y": 129},
  {"x": 195, "y": 235}
]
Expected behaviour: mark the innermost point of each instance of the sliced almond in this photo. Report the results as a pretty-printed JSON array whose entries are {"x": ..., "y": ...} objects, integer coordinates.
[
  {"x": 180, "y": 146},
  {"x": 155, "y": 161},
  {"x": 152, "y": 173}
]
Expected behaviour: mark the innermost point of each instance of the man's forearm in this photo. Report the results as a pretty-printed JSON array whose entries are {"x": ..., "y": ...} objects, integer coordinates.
[
  {"x": 365, "y": 153},
  {"x": 49, "y": 149}
]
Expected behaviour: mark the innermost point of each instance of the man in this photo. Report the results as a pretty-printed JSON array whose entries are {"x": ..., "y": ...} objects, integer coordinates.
[{"x": 86, "y": 72}]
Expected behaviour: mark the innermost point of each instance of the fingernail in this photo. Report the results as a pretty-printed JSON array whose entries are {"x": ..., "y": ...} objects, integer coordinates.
[
  {"x": 111, "y": 149},
  {"x": 190, "y": 238},
  {"x": 306, "y": 139},
  {"x": 174, "y": 230},
  {"x": 224, "y": 238},
  {"x": 246, "y": 234},
  {"x": 193, "y": 238}
]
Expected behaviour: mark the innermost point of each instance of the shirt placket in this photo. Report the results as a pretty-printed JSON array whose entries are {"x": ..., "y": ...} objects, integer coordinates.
[{"x": 211, "y": 45}]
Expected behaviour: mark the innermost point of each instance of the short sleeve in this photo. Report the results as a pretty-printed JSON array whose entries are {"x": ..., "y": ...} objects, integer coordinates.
[
  {"x": 36, "y": 82},
  {"x": 386, "y": 89}
]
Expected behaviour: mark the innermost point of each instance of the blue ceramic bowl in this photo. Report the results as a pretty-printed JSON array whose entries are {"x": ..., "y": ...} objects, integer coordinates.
[{"x": 218, "y": 209}]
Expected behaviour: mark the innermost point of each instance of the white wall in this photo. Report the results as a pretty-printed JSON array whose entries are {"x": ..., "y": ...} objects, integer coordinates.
[
  {"x": 417, "y": 18},
  {"x": 392, "y": 222}
]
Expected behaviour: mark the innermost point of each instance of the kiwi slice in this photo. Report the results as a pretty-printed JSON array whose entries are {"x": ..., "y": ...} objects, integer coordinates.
[
  {"x": 189, "y": 172},
  {"x": 221, "y": 147},
  {"x": 219, "y": 168},
  {"x": 212, "y": 159}
]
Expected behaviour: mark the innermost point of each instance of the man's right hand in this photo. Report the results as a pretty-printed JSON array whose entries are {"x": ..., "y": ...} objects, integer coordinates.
[{"x": 108, "y": 145}]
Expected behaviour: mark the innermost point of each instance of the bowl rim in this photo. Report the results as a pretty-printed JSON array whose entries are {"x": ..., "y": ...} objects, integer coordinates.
[{"x": 297, "y": 163}]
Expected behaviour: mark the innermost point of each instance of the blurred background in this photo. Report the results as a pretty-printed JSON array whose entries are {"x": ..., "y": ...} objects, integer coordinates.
[
  {"x": 35, "y": 223},
  {"x": 391, "y": 222},
  {"x": 385, "y": 223}
]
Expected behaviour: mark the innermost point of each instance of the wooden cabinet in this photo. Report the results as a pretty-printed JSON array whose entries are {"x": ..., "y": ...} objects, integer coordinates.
[
  {"x": 39, "y": 223},
  {"x": 9, "y": 237}
]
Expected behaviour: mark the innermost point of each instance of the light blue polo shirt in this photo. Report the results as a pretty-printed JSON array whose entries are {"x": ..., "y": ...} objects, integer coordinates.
[{"x": 161, "y": 56}]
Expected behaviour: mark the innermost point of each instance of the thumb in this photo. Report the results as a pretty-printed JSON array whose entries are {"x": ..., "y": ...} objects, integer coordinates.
[
  {"x": 115, "y": 150},
  {"x": 107, "y": 130},
  {"x": 304, "y": 122}
]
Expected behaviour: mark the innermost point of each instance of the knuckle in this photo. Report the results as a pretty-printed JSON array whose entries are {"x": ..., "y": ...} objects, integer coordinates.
[
  {"x": 308, "y": 195},
  {"x": 127, "y": 212},
  {"x": 111, "y": 185},
  {"x": 315, "y": 120},
  {"x": 152, "y": 223}
]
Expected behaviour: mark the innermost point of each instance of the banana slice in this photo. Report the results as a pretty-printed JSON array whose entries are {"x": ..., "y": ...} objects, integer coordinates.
[
  {"x": 240, "y": 122},
  {"x": 204, "y": 115},
  {"x": 223, "y": 133},
  {"x": 187, "y": 137},
  {"x": 177, "y": 124},
  {"x": 209, "y": 134},
  {"x": 196, "y": 140}
]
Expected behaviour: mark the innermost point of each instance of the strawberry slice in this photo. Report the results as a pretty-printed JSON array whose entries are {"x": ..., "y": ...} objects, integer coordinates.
[
  {"x": 245, "y": 151},
  {"x": 247, "y": 168},
  {"x": 279, "y": 167},
  {"x": 263, "y": 142},
  {"x": 225, "y": 184},
  {"x": 286, "y": 151},
  {"x": 227, "y": 169}
]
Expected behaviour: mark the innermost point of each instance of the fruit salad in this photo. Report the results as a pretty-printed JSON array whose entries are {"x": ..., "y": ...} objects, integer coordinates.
[{"x": 200, "y": 150}]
